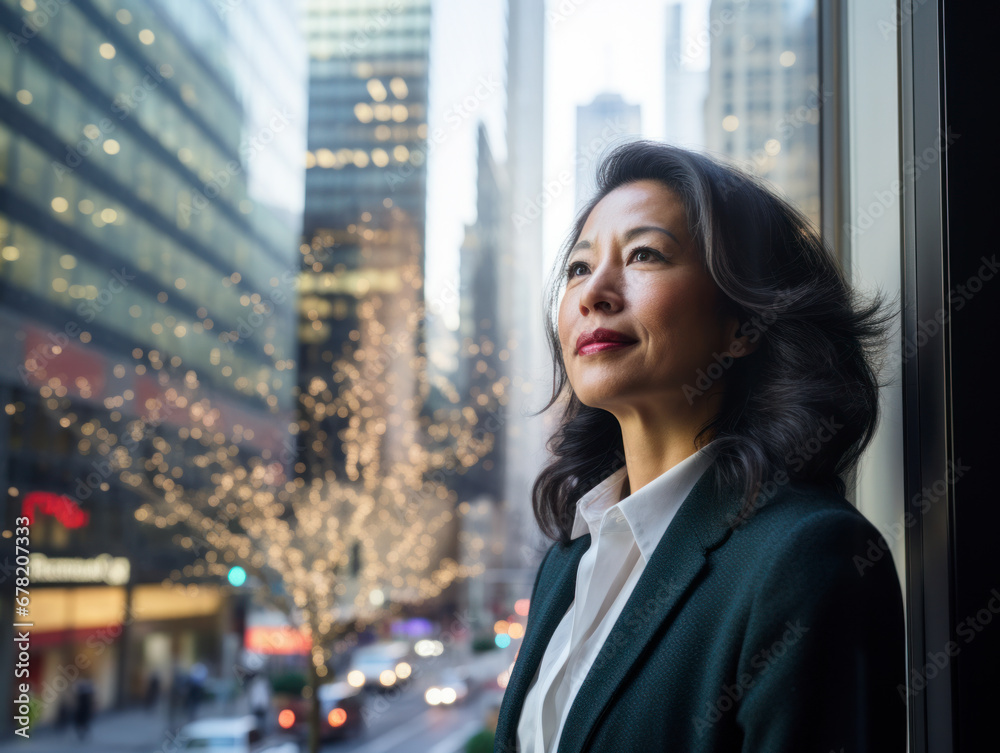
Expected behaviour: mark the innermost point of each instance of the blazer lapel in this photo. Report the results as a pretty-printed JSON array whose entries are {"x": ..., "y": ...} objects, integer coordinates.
[
  {"x": 701, "y": 523},
  {"x": 544, "y": 616}
]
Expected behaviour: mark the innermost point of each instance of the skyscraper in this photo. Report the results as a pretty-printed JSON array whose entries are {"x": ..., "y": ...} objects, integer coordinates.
[
  {"x": 480, "y": 366},
  {"x": 521, "y": 281},
  {"x": 763, "y": 103},
  {"x": 365, "y": 189},
  {"x": 685, "y": 87},
  {"x": 368, "y": 89},
  {"x": 599, "y": 125}
]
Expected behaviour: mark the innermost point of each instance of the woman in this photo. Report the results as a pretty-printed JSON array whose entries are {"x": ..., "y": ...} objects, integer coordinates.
[{"x": 707, "y": 589}]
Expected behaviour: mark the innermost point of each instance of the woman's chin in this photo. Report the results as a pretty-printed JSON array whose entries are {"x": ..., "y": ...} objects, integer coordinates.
[{"x": 605, "y": 399}]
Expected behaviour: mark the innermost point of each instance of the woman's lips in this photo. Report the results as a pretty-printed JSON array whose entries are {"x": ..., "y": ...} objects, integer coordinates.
[{"x": 602, "y": 345}]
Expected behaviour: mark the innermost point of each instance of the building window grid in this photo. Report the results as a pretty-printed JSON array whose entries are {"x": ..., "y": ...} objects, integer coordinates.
[
  {"x": 121, "y": 240},
  {"x": 209, "y": 226}
]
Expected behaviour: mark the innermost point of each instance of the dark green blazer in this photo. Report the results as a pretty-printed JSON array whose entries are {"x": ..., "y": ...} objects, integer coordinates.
[{"x": 783, "y": 635}]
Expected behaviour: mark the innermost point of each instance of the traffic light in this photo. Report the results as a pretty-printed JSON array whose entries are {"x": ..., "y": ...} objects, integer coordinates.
[{"x": 237, "y": 576}]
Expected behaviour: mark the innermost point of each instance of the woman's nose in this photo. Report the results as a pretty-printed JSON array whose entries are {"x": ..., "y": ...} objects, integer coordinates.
[{"x": 602, "y": 290}]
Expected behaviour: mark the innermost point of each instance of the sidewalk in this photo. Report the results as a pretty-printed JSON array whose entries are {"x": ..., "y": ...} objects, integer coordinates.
[{"x": 128, "y": 731}]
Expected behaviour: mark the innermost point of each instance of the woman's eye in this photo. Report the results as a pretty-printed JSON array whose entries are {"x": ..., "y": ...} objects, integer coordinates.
[
  {"x": 643, "y": 253},
  {"x": 650, "y": 253}
]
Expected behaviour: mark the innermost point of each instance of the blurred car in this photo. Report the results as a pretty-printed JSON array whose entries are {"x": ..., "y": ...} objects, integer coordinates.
[
  {"x": 231, "y": 735},
  {"x": 381, "y": 666},
  {"x": 341, "y": 712},
  {"x": 341, "y": 709},
  {"x": 448, "y": 687}
]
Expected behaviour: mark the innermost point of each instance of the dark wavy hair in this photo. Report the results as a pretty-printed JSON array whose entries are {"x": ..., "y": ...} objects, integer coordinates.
[{"x": 801, "y": 407}]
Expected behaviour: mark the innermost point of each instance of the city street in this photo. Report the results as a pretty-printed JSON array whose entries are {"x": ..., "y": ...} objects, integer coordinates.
[
  {"x": 405, "y": 724},
  {"x": 410, "y": 726},
  {"x": 395, "y": 722}
]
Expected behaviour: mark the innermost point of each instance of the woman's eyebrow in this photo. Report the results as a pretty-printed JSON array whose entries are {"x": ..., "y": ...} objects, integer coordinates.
[
  {"x": 629, "y": 235},
  {"x": 646, "y": 228}
]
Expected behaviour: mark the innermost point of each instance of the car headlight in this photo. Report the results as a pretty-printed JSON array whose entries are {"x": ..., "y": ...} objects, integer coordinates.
[{"x": 356, "y": 678}]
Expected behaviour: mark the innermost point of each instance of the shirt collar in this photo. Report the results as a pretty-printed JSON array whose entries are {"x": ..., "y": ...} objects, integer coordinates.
[{"x": 647, "y": 511}]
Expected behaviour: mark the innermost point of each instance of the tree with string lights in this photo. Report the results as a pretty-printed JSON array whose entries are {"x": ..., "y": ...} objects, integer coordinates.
[{"x": 342, "y": 550}]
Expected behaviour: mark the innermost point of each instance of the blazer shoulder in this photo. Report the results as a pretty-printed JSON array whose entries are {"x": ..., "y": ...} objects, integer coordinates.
[
  {"x": 806, "y": 522},
  {"x": 811, "y": 553},
  {"x": 798, "y": 502}
]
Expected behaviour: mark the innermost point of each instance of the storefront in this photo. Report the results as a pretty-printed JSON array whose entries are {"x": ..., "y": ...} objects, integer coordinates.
[{"x": 90, "y": 622}]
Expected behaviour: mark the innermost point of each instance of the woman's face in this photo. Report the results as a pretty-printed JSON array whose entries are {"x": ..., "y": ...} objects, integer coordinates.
[{"x": 636, "y": 269}]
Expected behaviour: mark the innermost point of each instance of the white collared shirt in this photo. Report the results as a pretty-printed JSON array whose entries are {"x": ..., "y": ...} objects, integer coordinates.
[{"x": 624, "y": 533}]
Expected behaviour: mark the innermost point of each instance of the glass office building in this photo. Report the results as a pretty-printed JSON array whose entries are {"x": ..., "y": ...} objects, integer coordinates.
[
  {"x": 150, "y": 210},
  {"x": 368, "y": 88},
  {"x": 366, "y": 191},
  {"x": 763, "y": 104}
]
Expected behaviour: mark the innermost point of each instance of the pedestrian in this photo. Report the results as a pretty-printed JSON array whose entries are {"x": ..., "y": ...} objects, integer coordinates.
[
  {"x": 178, "y": 692},
  {"x": 64, "y": 715},
  {"x": 84, "y": 709},
  {"x": 259, "y": 697},
  {"x": 196, "y": 688},
  {"x": 153, "y": 690}
]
